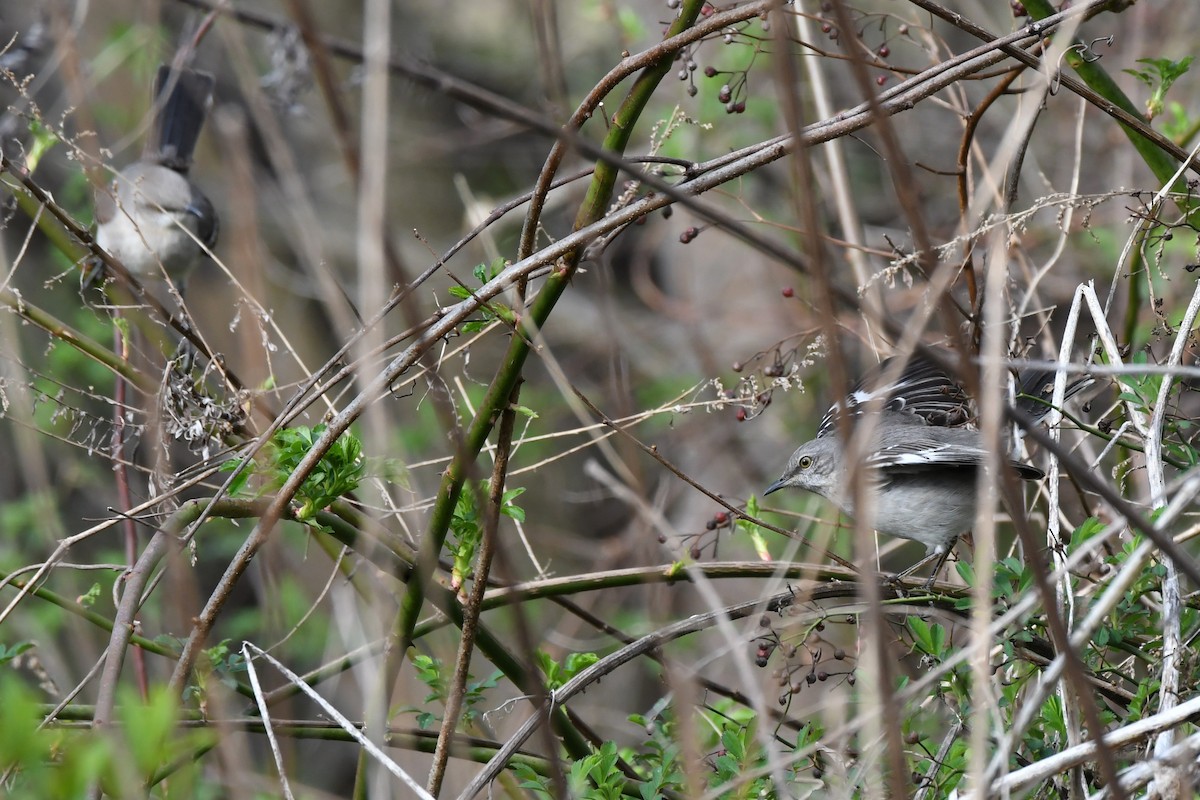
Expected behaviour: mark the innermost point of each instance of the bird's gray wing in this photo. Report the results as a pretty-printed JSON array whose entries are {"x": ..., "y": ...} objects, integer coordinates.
[
  {"x": 917, "y": 449},
  {"x": 1035, "y": 388},
  {"x": 918, "y": 455},
  {"x": 923, "y": 389}
]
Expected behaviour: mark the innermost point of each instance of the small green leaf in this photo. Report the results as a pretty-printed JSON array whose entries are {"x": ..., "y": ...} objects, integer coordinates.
[
  {"x": 41, "y": 142},
  {"x": 1086, "y": 530},
  {"x": 7, "y": 654},
  {"x": 752, "y": 507},
  {"x": 1159, "y": 75},
  {"x": 88, "y": 599}
]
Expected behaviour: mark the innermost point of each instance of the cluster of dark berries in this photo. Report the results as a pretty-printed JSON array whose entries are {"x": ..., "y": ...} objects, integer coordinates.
[
  {"x": 762, "y": 654},
  {"x": 775, "y": 364},
  {"x": 761, "y": 401},
  {"x": 883, "y": 51},
  {"x": 700, "y": 541},
  {"x": 687, "y": 72},
  {"x": 731, "y": 94},
  {"x": 718, "y": 520}
]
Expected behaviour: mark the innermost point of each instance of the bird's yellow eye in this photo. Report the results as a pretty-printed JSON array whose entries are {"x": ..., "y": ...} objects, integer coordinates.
[{"x": 806, "y": 462}]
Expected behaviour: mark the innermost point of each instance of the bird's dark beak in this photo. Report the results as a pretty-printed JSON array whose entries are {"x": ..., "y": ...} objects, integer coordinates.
[{"x": 774, "y": 487}]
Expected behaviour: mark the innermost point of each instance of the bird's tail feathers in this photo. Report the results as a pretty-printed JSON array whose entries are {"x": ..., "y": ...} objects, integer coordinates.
[{"x": 182, "y": 99}]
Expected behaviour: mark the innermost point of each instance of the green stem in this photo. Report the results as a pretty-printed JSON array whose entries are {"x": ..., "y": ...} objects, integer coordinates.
[
  {"x": 1098, "y": 79},
  {"x": 509, "y": 373},
  {"x": 99, "y": 620},
  {"x": 84, "y": 344}
]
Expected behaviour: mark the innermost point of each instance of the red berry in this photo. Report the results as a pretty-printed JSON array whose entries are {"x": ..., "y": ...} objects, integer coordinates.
[{"x": 788, "y": 292}]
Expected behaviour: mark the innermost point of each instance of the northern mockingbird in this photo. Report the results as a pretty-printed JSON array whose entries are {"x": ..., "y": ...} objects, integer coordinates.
[
  {"x": 152, "y": 218},
  {"x": 924, "y": 454}
]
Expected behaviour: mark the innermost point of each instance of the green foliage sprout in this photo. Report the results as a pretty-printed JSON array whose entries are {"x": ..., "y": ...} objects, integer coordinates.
[
  {"x": 433, "y": 673},
  {"x": 493, "y": 310},
  {"x": 466, "y": 528},
  {"x": 339, "y": 472},
  {"x": 1159, "y": 74}
]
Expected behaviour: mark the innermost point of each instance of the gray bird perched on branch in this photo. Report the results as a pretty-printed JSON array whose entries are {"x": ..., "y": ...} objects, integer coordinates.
[
  {"x": 924, "y": 454},
  {"x": 152, "y": 217}
]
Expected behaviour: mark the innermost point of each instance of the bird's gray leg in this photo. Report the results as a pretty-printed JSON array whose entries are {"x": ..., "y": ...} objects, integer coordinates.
[{"x": 941, "y": 554}]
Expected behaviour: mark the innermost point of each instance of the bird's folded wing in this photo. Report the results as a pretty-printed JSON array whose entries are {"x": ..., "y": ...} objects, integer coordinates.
[
  {"x": 925, "y": 449},
  {"x": 924, "y": 453},
  {"x": 923, "y": 389}
]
